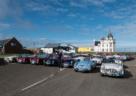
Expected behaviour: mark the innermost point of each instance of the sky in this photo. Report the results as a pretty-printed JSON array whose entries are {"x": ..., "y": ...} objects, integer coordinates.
[{"x": 78, "y": 22}]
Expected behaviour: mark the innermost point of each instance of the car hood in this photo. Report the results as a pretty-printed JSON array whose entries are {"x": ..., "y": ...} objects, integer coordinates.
[
  {"x": 96, "y": 59},
  {"x": 83, "y": 63},
  {"x": 112, "y": 66}
]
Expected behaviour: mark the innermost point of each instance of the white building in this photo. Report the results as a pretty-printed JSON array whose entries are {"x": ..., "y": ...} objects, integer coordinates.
[{"x": 105, "y": 44}]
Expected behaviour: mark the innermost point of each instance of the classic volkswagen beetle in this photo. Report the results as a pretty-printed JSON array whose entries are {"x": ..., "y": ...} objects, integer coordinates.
[
  {"x": 84, "y": 65},
  {"x": 112, "y": 69}
]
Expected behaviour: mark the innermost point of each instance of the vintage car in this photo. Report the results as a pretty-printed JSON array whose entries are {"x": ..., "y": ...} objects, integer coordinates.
[
  {"x": 116, "y": 56},
  {"x": 122, "y": 57},
  {"x": 79, "y": 57},
  {"x": 84, "y": 65},
  {"x": 11, "y": 59},
  {"x": 109, "y": 56},
  {"x": 112, "y": 69},
  {"x": 52, "y": 60},
  {"x": 97, "y": 60},
  {"x": 108, "y": 60},
  {"x": 118, "y": 61},
  {"x": 24, "y": 58},
  {"x": 39, "y": 58},
  {"x": 2, "y": 61},
  {"x": 67, "y": 61},
  {"x": 112, "y": 60},
  {"x": 130, "y": 58}
]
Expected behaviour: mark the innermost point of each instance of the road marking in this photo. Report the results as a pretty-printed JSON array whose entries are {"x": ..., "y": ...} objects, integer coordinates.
[
  {"x": 61, "y": 69},
  {"x": 43, "y": 80},
  {"x": 36, "y": 83}
]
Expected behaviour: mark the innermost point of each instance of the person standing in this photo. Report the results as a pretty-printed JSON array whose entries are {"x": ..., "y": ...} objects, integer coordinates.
[{"x": 60, "y": 56}]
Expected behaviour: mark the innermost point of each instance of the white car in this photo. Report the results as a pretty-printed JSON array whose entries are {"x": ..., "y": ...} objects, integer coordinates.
[
  {"x": 123, "y": 57},
  {"x": 10, "y": 59},
  {"x": 97, "y": 60},
  {"x": 109, "y": 56},
  {"x": 116, "y": 56},
  {"x": 112, "y": 69}
]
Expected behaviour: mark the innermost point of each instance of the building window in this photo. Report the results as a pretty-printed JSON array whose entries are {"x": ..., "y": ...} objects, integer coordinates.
[
  {"x": 110, "y": 44},
  {"x": 12, "y": 44}
]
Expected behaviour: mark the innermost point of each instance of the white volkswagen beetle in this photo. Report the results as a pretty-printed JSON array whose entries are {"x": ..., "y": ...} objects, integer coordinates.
[{"x": 112, "y": 69}]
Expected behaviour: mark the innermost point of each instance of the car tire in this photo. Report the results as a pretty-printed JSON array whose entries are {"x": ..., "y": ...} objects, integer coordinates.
[
  {"x": 76, "y": 70},
  {"x": 102, "y": 75}
]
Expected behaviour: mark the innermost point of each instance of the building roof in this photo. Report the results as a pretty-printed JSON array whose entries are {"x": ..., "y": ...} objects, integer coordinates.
[
  {"x": 52, "y": 45},
  {"x": 110, "y": 35},
  {"x": 96, "y": 43},
  {"x": 102, "y": 38},
  {"x": 2, "y": 42}
]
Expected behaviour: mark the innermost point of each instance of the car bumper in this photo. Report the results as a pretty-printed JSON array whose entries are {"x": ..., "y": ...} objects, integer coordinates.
[
  {"x": 114, "y": 74},
  {"x": 82, "y": 69}
]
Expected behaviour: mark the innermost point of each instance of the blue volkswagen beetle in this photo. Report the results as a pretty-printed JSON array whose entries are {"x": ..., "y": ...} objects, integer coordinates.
[{"x": 84, "y": 65}]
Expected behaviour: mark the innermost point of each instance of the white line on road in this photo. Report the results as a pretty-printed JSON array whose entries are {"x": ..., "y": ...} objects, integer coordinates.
[
  {"x": 36, "y": 83},
  {"x": 61, "y": 69},
  {"x": 39, "y": 82}
]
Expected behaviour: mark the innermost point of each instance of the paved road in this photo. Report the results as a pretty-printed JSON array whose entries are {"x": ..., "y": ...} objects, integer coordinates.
[
  {"x": 38, "y": 81},
  {"x": 14, "y": 77}
]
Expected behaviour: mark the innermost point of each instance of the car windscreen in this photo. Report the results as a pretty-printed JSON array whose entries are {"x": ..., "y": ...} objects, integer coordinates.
[{"x": 108, "y": 61}]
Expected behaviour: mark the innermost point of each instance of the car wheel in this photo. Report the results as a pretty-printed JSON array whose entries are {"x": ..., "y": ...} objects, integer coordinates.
[
  {"x": 76, "y": 70},
  {"x": 102, "y": 75}
]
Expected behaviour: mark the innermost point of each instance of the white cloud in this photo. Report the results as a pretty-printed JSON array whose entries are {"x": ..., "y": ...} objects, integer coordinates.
[
  {"x": 60, "y": 28},
  {"x": 37, "y": 6},
  {"x": 122, "y": 11},
  {"x": 125, "y": 29},
  {"x": 4, "y": 9},
  {"x": 4, "y": 25},
  {"x": 76, "y": 4},
  {"x": 72, "y": 14},
  {"x": 10, "y": 8},
  {"x": 85, "y": 3},
  {"x": 62, "y": 10}
]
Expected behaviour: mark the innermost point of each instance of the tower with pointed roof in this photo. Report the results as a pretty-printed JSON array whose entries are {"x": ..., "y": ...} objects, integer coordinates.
[{"x": 106, "y": 44}]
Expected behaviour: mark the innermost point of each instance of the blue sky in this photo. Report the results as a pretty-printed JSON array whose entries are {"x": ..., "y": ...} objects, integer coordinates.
[{"x": 73, "y": 21}]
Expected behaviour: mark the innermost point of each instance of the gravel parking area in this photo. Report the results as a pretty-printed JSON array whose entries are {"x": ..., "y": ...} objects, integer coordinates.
[{"x": 33, "y": 80}]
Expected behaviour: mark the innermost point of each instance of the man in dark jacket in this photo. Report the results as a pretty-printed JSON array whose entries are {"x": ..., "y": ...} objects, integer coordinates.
[{"x": 60, "y": 56}]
